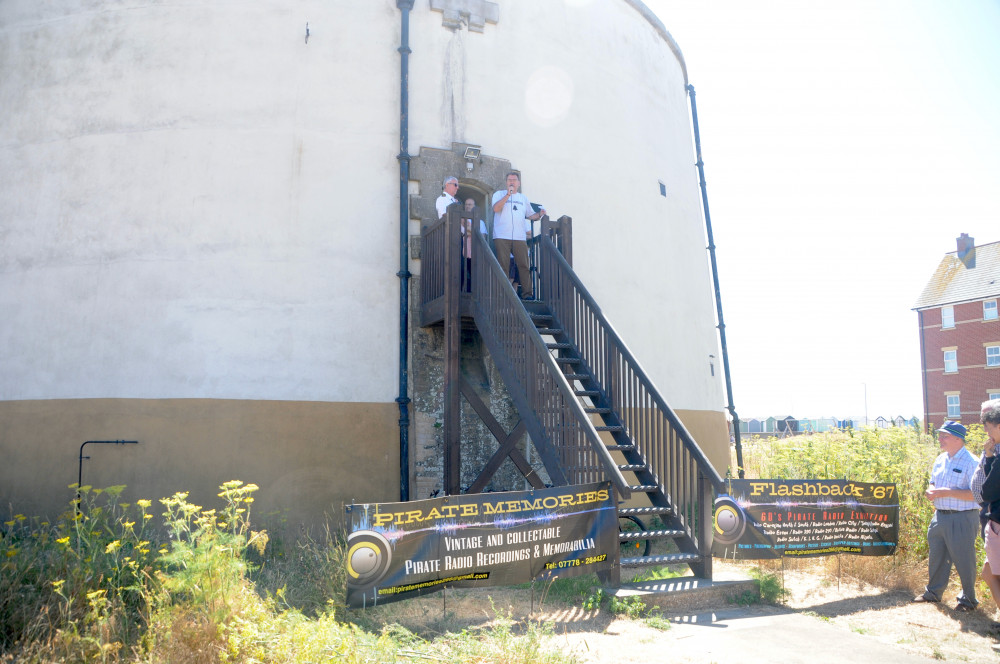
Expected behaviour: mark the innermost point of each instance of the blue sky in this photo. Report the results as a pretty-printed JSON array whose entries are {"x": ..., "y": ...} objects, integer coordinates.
[{"x": 846, "y": 145}]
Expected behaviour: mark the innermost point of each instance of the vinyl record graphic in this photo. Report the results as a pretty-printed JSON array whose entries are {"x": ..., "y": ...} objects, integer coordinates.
[
  {"x": 730, "y": 521},
  {"x": 368, "y": 558}
]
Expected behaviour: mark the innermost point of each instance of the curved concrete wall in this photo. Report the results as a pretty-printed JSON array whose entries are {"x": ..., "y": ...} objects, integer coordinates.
[
  {"x": 588, "y": 100},
  {"x": 195, "y": 201},
  {"x": 199, "y": 220}
]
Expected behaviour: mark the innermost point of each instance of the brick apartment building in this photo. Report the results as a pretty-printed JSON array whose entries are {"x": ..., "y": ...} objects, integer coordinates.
[{"x": 960, "y": 333}]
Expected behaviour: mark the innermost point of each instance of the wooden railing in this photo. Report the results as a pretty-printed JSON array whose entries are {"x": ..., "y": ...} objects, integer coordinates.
[
  {"x": 509, "y": 332},
  {"x": 683, "y": 471},
  {"x": 432, "y": 262}
]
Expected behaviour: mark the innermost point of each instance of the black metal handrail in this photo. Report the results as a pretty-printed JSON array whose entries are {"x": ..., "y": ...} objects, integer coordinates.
[
  {"x": 499, "y": 313},
  {"x": 654, "y": 428}
]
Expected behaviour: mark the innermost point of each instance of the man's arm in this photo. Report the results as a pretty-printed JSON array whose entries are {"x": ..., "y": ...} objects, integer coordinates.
[
  {"x": 934, "y": 493},
  {"x": 499, "y": 203}
]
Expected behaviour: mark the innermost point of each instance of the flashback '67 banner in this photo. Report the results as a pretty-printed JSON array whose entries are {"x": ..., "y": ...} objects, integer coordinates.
[
  {"x": 802, "y": 518},
  {"x": 400, "y": 550}
]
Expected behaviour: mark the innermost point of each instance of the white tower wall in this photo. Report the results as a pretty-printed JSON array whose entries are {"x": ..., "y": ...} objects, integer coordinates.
[{"x": 199, "y": 225}]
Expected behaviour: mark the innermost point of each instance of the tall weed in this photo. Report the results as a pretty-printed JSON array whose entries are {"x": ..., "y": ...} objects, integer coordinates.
[{"x": 900, "y": 455}]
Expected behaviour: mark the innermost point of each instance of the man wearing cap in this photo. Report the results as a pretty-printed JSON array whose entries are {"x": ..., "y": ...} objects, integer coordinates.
[{"x": 951, "y": 536}]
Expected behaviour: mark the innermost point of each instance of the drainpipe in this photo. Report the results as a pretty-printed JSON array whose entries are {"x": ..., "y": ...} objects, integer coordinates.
[
  {"x": 404, "y": 249},
  {"x": 923, "y": 371},
  {"x": 715, "y": 279}
]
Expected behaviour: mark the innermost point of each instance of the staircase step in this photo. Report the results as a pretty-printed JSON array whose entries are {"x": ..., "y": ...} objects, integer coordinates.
[
  {"x": 644, "y": 511},
  {"x": 568, "y": 360},
  {"x": 612, "y": 428},
  {"x": 558, "y": 345},
  {"x": 550, "y": 331},
  {"x": 576, "y": 376},
  {"x": 666, "y": 559},
  {"x": 587, "y": 393},
  {"x": 650, "y": 534},
  {"x": 632, "y": 467},
  {"x": 620, "y": 448},
  {"x": 599, "y": 411},
  {"x": 645, "y": 488}
]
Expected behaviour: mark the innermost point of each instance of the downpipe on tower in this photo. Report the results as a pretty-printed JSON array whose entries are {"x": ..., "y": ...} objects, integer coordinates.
[
  {"x": 403, "y": 157},
  {"x": 715, "y": 280}
]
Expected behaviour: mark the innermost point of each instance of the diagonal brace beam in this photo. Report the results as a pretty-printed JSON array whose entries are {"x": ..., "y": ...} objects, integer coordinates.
[{"x": 508, "y": 443}]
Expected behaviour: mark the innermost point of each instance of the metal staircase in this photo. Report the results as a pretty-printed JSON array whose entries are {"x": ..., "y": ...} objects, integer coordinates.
[
  {"x": 590, "y": 410},
  {"x": 628, "y": 460}
]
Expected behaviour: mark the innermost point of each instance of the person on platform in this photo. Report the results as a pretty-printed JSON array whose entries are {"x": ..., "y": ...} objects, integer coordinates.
[
  {"x": 447, "y": 197},
  {"x": 951, "y": 535},
  {"x": 470, "y": 205},
  {"x": 512, "y": 217}
]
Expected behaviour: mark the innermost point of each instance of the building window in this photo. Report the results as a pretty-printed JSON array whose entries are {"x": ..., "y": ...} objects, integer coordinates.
[
  {"x": 950, "y": 361},
  {"x": 993, "y": 356},
  {"x": 990, "y": 396},
  {"x": 990, "y": 310},
  {"x": 947, "y": 317},
  {"x": 954, "y": 406}
]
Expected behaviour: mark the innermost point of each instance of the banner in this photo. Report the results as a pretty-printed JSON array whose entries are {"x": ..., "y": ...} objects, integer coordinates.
[
  {"x": 803, "y": 518},
  {"x": 401, "y": 550}
]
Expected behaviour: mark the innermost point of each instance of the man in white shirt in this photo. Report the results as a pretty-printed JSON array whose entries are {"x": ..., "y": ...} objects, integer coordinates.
[
  {"x": 951, "y": 536},
  {"x": 447, "y": 196},
  {"x": 512, "y": 227}
]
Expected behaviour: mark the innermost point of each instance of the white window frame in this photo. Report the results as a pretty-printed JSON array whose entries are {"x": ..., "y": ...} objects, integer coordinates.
[
  {"x": 993, "y": 358},
  {"x": 954, "y": 402},
  {"x": 947, "y": 317},
  {"x": 953, "y": 362},
  {"x": 990, "y": 310}
]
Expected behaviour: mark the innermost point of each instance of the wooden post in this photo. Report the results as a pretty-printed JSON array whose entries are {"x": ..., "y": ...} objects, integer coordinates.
[
  {"x": 706, "y": 518},
  {"x": 566, "y": 238},
  {"x": 452, "y": 352}
]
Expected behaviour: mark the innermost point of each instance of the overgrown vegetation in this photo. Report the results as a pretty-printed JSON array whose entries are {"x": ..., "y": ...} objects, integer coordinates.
[
  {"x": 901, "y": 455},
  {"x": 103, "y": 584}
]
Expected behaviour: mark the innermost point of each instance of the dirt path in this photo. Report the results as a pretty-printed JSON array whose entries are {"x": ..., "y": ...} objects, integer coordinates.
[{"x": 818, "y": 622}]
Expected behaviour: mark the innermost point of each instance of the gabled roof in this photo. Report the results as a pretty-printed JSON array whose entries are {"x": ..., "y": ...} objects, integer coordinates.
[{"x": 953, "y": 282}]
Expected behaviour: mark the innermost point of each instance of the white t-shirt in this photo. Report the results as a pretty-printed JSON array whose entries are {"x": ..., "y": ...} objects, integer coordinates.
[
  {"x": 442, "y": 203},
  {"x": 514, "y": 214}
]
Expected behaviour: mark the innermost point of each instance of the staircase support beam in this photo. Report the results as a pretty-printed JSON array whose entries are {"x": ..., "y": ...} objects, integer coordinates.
[{"x": 452, "y": 461}]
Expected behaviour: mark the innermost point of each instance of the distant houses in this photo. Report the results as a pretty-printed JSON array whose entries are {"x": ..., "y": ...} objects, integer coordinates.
[{"x": 791, "y": 426}]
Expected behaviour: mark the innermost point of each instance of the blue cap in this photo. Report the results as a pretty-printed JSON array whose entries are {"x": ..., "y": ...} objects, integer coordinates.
[{"x": 954, "y": 428}]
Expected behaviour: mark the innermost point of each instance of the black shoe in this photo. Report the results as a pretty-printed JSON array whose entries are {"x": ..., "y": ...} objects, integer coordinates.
[{"x": 962, "y": 606}]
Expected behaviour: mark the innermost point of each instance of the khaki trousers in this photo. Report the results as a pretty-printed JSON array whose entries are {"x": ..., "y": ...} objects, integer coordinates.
[{"x": 520, "y": 250}]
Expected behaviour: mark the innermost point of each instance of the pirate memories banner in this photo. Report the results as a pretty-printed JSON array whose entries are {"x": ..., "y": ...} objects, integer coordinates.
[
  {"x": 401, "y": 550},
  {"x": 803, "y": 518}
]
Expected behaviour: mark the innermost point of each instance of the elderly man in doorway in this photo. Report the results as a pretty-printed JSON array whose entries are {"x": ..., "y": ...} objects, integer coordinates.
[
  {"x": 470, "y": 206},
  {"x": 951, "y": 536},
  {"x": 512, "y": 228}
]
